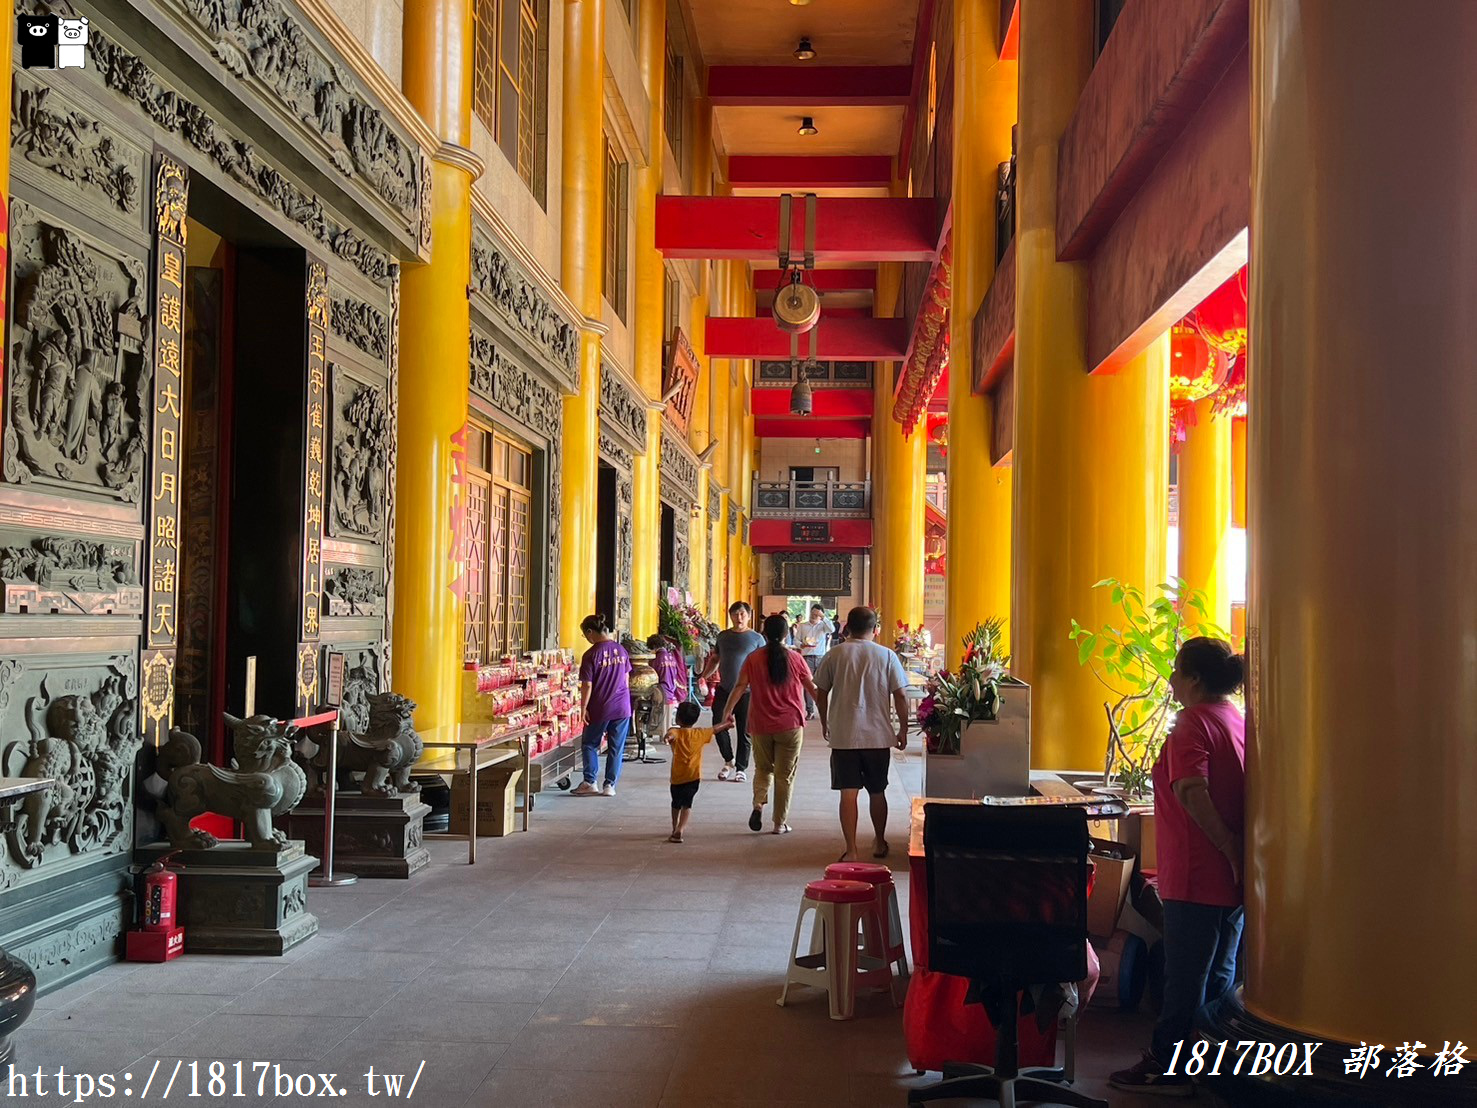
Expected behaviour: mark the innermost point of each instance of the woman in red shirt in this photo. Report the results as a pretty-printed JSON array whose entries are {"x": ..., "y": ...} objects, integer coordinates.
[
  {"x": 1199, "y": 813},
  {"x": 777, "y": 680}
]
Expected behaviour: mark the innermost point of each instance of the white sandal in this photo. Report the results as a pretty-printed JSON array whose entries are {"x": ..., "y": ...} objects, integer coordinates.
[
  {"x": 726, "y": 771},
  {"x": 782, "y": 829}
]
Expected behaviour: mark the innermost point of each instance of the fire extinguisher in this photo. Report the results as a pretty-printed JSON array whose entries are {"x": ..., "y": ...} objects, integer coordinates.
[{"x": 159, "y": 886}]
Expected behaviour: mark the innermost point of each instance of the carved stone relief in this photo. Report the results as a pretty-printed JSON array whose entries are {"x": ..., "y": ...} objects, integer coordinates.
[
  {"x": 625, "y": 514},
  {"x": 715, "y": 506},
  {"x": 70, "y": 576},
  {"x": 681, "y": 556},
  {"x": 679, "y": 469},
  {"x": 81, "y": 729},
  {"x": 623, "y": 411},
  {"x": 355, "y": 591},
  {"x": 133, "y": 79},
  {"x": 616, "y": 454},
  {"x": 513, "y": 390},
  {"x": 391, "y": 456},
  {"x": 551, "y": 338},
  {"x": 263, "y": 39},
  {"x": 80, "y": 381},
  {"x": 361, "y": 324},
  {"x": 361, "y": 442},
  {"x": 733, "y": 518},
  {"x": 363, "y": 676},
  {"x": 73, "y": 147}
]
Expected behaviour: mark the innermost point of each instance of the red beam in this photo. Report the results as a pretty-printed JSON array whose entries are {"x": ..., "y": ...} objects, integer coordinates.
[
  {"x": 870, "y": 340},
  {"x": 811, "y": 86},
  {"x": 827, "y": 403},
  {"x": 847, "y": 536},
  {"x": 822, "y": 280},
  {"x": 846, "y": 230},
  {"x": 763, "y": 312},
  {"x": 775, "y": 171},
  {"x": 806, "y": 427}
]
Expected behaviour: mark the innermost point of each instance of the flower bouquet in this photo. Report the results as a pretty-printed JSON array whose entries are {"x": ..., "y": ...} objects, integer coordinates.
[
  {"x": 908, "y": 640},
  {"x": 955, "y": 700}
]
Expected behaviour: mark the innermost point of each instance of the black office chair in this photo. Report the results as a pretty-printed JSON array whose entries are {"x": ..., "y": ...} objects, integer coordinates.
[{"x": 1007, "y": 909}]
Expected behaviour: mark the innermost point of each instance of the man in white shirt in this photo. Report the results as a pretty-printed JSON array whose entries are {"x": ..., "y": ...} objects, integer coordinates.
[
  {"x": 860, "y": 684},
  {"x": 814, "y": 639}
]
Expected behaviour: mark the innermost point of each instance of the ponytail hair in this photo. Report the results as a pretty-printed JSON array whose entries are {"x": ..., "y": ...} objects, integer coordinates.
[
  {"x": 595, "y": 625},
  {"x": 1220, "y": 671},
  {"x": 776, "y": 631}
]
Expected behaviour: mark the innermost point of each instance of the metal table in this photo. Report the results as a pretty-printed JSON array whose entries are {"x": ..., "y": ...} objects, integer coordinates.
[{"x": 468, "y": 748}]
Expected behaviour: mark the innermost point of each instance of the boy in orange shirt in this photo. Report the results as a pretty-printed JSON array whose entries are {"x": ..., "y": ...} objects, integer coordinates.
[{"x": 687, "y": 744}]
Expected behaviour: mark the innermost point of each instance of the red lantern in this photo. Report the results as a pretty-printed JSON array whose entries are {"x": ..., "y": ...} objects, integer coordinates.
[{"x": 1221, "y": 316}]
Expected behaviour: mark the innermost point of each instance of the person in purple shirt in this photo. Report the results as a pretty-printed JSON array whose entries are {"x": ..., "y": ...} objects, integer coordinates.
[
  {"x": 671, "y": 674},
  {"x": 605, "y": 704}
]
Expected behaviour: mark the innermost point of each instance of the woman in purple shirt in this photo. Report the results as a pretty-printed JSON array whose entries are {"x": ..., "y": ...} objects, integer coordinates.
[
  {"x": 605, "y": 704},
  {"x": 671, "y": 674}
]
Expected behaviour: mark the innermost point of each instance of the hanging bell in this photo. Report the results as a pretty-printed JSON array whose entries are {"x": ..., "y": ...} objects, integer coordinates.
[
  {"x": 797, "y": 306},
  {"x": 802, "y": 399}
]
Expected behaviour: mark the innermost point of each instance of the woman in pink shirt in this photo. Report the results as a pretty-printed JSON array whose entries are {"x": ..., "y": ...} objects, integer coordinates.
[
  {"x": 1199, "y": 813},
  {"x": 778, "y": 681}
]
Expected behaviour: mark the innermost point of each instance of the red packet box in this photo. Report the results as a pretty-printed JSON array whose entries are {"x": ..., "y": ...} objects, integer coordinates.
[{"x": 154, "y": 946}]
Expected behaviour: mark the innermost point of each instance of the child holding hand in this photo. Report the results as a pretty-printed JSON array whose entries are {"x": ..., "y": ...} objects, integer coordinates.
[{"x": 687, "y": 742}]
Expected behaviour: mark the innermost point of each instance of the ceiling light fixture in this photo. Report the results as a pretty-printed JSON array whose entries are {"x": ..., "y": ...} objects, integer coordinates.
[
  {"x": 805, "y": 52},
  {"x": 799, "y": 3},
  {"x": 807, "y": 126}
]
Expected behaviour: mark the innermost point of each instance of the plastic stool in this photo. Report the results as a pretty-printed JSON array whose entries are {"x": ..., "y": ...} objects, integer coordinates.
[
  {"x": 889, "y": 920},
  {"x": 835, "y": 963}
]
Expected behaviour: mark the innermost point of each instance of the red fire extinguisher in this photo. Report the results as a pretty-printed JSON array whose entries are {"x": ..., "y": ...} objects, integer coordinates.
[{"x": 159, "y": 888}]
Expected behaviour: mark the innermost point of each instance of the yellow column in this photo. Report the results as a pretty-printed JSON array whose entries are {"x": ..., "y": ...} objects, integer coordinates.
[
  {"x": 1362, "y": 525},
  {"x": 1089, "y": 451},
  {"x": 720, "y": 392},
  {"x": 582, "y": 242},
  {"x": 435, "y": 335},
  {"x": 1205, "y": 511},
  {"x": 1238, "y": 473},
  {"x": 647, "y": 322},
  {"x": 702, "y": 430},
  {"x": 977, "y": 582}
]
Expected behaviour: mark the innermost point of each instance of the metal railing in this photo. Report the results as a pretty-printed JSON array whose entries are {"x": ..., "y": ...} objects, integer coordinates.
[{"x": 812, "y": 499}]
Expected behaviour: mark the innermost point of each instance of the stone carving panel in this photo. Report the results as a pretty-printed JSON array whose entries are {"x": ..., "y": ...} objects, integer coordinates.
[
  {"x": 681, "y": 557},
  {"x": 60, "y": 575},
  {"x": 361, "y": 444},
  {"x": 513, "y": 390},
  {"x": 78, "y": 724},
  {"x": 715, "y": 506},
  {"x": 622, "y": 410},
  {"x": 264, "y": 39},
  {"x": 74, "y": 147},
  {"x": 361, "y": 324},
  {"x": 355, "y": 591},
  {"x": 615, "y": 453},
  {"x": 625, "y": 498},
  {"x": 550, "y": 337},
  {"x": 363, "y": 677},
  {"x": 679, "y": 469},
  {"x": 80, "y": 375},
  {"x": 133, "y": 79}
]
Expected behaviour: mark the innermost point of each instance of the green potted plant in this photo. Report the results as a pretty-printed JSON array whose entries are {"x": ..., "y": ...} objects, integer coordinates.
[
  {"x": 976, "y": 723},
  {"x": 1133, "y": 657}
]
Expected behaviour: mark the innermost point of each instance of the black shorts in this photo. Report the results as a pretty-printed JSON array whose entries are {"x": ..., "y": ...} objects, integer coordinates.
[
  {"x": 860, "y": 769},
  {"x": 682, "y": 794}
]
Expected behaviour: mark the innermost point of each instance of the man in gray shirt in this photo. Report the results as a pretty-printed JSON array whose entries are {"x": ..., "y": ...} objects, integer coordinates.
[
  {"x": 859, "y": 686},
  {"x": 733, "y": 646}
]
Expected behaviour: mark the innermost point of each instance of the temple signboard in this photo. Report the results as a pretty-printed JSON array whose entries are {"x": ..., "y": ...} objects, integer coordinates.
[
  {"x": 171, "y": 201},
  {"x": 679, "y": 382}
]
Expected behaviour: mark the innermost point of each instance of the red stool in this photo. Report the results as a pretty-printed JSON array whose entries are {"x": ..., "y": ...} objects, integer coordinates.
[
  {"x": 837, "y": 961},
  {"x": 885, "y": 935}
]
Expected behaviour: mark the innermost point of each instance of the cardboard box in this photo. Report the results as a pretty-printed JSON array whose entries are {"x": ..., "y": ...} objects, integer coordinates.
[
  {"x": 1113, "y": 863},
  {"x": 497, "y": 797},
  {"x": 1138, "y": 834}
]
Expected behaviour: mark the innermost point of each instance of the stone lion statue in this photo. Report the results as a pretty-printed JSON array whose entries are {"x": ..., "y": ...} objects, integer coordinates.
[
  {"x": 263, "y": 782},
  {"x": 384, "y": 752}
]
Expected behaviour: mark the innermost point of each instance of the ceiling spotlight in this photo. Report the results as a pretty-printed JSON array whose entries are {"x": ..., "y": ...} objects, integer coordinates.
[
  {"x": 807, "y": 126},
  {"x": 805, "y": 52},
  {"x": 799, "y": 3}
]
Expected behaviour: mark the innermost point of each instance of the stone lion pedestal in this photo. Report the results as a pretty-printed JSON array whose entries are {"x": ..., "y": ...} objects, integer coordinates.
[
  {"x": 373, "y": 836},
  {"x": 235, "y": 898}
]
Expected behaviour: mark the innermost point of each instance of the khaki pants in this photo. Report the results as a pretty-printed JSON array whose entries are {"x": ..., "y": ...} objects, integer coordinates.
[{"x": 776, "y": 755}]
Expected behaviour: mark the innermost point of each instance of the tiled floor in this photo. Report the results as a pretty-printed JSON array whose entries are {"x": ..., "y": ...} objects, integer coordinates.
[{"x": 586, "y": 963}]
